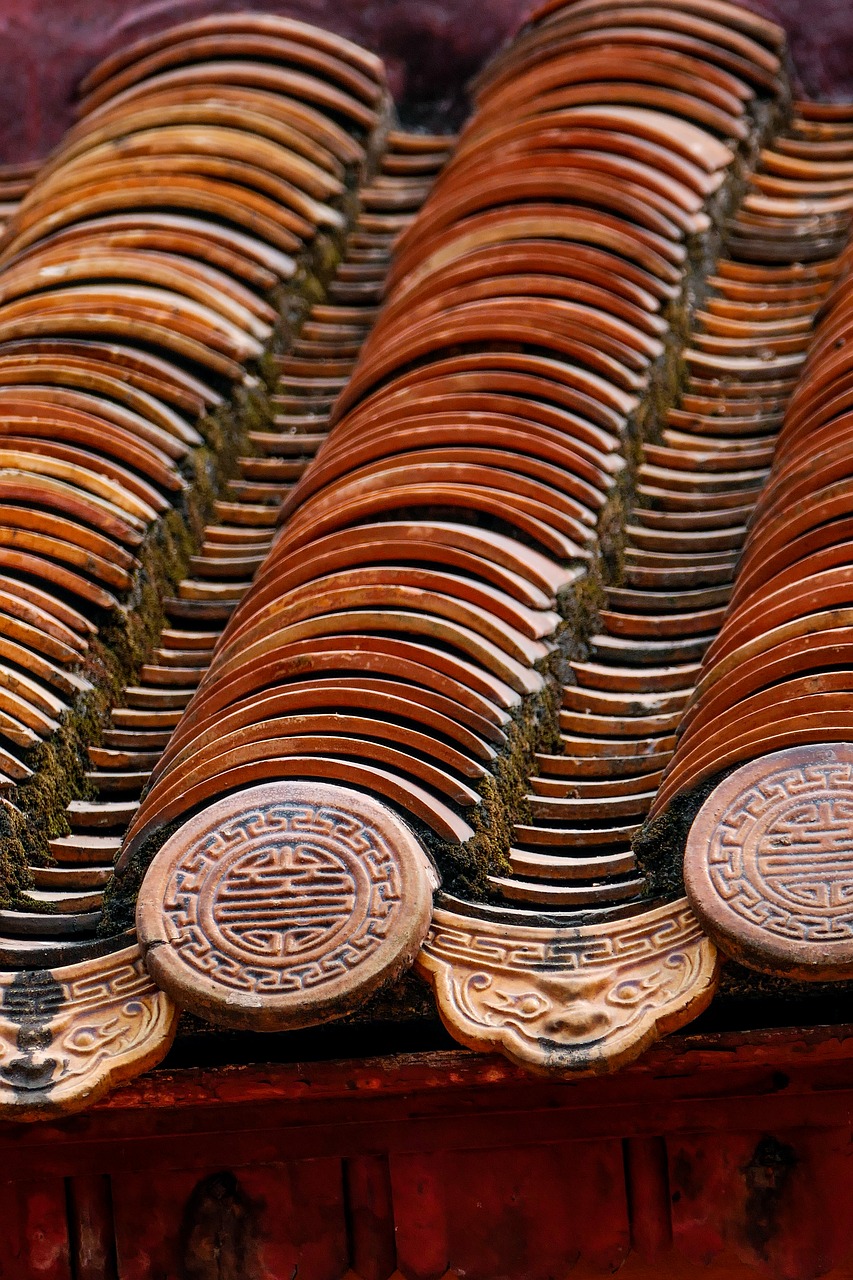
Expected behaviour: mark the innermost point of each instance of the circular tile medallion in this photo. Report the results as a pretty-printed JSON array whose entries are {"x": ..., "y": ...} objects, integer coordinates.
[
  {"x": 284, "y": 905},
  {"x": 769, "y": 862}
]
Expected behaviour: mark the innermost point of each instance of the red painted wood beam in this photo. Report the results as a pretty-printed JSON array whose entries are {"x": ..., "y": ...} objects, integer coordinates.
[{"x": 443, "y": 1101}]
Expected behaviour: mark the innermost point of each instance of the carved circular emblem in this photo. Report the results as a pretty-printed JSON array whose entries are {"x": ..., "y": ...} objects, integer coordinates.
[
  {"x": 769, "y": 862},
  {"x": 283, "y": 905}
]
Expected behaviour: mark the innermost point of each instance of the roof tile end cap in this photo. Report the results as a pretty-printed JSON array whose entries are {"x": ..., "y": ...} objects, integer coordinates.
[
  {"x": 768, "y": 865},
  {"x": 284, "y": 905}
]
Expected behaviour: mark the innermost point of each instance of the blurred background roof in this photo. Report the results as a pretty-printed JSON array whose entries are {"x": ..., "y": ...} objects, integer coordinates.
[{"x": 431, "y": 47}]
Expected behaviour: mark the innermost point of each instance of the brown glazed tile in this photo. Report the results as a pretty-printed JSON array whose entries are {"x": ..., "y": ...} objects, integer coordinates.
[
  {"x": 269, "y": 46},
  {"x": 261, "y": 759},
  {"x": 821, "y": 545},
  {"x": 203, "y": 114},
  {"x": 611, "y": 770},
  {"x": 213, "y": 198},
  {"x": 436, "y": 712},
  {"x": 399, "y": 790},
  {"x": 547, "y": 262},
  {"x": 139, "y": 368},
  {"x": 380, "y": 921},
  {"x": 597, "y": 701},
  {"x": 565, "y": 894},
  {"x": 569, "y": 787},
  {"x": 644, "y": 92},
  {"x": 647, "y": 679},
  {"x": 812, "y": 595},
  {"x": 249, "y": 166},
  {"x": 254, "y": 262},
  {"x": 417, "y": 566},
  {"x": 739, "y": 733},
  {"x": 818, "y": 652},
  {"x": 247, "y": 24},
  {"x": 242, "y": 73},
  {"x": 819, "y": 721},
  {"x": 765, "y": 868},
  {"x": 545, "y": 220}
]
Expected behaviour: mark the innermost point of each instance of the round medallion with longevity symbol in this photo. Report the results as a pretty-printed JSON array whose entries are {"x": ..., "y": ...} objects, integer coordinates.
[
  {"x": 284, "y": 905},
  {"x": 768, "y": 866}
]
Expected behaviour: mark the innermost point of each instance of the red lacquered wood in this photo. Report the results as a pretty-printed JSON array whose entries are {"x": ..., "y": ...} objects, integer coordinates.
[
  {"x": 647, "y": 1182},
  {"x": 738, "y": 1143},
  {"x": 779, "y": 1202},
  {"x": 370, "y": 1210},
  {"x": 90, "y": 1219},
  {"x": 537, "y": 1211},
  {"x": 420, "y": 1205},
  {"x": 34, "y": 1230}
]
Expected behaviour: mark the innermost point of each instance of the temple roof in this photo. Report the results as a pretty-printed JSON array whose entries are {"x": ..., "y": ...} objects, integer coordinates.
[{"x": 424, "y": 555}]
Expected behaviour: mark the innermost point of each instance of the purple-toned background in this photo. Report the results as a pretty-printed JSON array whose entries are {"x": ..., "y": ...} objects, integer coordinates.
[{"x": 431, "y": 47}]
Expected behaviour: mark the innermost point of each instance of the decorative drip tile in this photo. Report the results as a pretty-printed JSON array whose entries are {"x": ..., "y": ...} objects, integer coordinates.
[
  {"x": 558, "y": 998},
  {"x": 70, "y": 1034}
]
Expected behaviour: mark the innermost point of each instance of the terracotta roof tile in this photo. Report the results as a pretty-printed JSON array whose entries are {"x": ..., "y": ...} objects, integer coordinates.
[{"x": 516, "y": 478}]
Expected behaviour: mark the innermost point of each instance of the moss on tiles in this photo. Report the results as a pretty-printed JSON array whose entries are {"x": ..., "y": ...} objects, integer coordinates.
[
  {"x": 15, "y": 876},
  {"x": 466, "y": 868},
  {"x": 659, "y": 845},
  {"x": 119, "y": 909}
]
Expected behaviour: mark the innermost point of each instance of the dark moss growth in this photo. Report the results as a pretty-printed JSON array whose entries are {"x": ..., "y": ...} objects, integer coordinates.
[
  {"x": 465, "y": 868},
  {"x": 15, "y": 876},
  {"x": 403, "y": 999},
  {"x": 611, "y": 536},
  {"x": 578, "y": 607},
  {"x": 58, "y": 777},
  {"x": 535, "y": 728},
  {"x": 119, "y": 911},
  {"x": 659, "y": 846},
  {"x": 739, "y": 983}
]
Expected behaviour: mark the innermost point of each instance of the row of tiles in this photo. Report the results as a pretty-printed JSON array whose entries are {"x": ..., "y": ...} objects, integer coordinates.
[
  {"x": 473, "y": 453},
  {"x": 767, "y": 857},
  {"x": 404, "y": 622},
  {"x": 257, "y": 153},
  {"x": 697, "y": 490},
  {"x": 589, "y": 990},
  {"x": 149, "y": 728},
  {"x": 141, "y": 271},
  {"x": 521, "y": 329}
]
